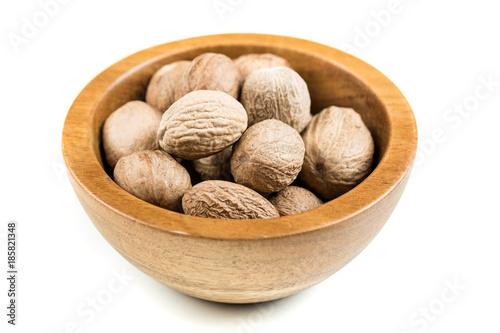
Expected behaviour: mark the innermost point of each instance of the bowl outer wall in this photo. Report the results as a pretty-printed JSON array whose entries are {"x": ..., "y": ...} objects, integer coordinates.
[{"x": 240, "y": 261}]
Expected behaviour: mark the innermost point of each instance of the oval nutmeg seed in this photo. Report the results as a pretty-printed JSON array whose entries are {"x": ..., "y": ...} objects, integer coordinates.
[
  {"x": 339, "y": 152},
  {"x": 161, "y": 88},
  {"x": 210, "y": 71},
  {"x": 153, "y": 176},
  {"x": 219, "y": 199},
  {"x": 277, "y": 93},
  {"x": 130, "y": 128},
  {"x": 248, "y": 63},
  {"x": 268, "y": 157},
  {"x": 215, "y": 167},
  {"x": 201, "y": 124},
  {"x": 294, "y": 200}
]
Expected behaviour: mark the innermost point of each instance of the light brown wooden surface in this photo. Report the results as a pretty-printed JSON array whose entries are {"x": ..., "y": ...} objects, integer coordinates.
[{"x": 246, "y": 260}]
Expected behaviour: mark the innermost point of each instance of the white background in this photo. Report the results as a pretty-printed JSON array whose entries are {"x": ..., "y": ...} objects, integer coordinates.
[{"x": 445, "y": 230}]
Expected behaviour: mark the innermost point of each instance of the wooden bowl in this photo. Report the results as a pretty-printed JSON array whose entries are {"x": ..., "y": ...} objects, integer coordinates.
[{"x": 242, "y": 261}]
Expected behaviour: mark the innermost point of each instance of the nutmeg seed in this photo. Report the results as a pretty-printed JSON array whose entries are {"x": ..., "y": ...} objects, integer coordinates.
[
  {"x": 215, "y": 167},
  {"x": 161, "y": 89},
  {"x": 130, "y": 128},
  {"x": 268, "y": 157},
  {"x": 339, "y": 152},
  {"x": 210, "y": 71},
  {"x": 277, "y": 93},
  {"x": 153, "y": 176},
  {"x": 219, "y": 199},
  {"x": 294, "y": 200},
  {"x": 202, "y": 123},
  {"x": 248, "y": 63}
]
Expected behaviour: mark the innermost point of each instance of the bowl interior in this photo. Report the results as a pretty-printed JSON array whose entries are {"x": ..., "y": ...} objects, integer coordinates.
[
  {"x": 329, "y": 84},
  {"x": 333, "y": 78}
]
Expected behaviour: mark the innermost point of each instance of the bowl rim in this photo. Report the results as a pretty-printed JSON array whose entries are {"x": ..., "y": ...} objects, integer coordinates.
[{"x": 86, "y": 172}]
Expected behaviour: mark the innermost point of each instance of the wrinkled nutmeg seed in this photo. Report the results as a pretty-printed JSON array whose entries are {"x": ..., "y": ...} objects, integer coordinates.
[
  {"x": 225, "y": 200},
  {"x": 248, "y": 63},
  {"x": 153, "y": 176},
  {"x": 277, "y": 93},
  {"x": 215, "y": 167},
  {"x": 130, "y": 128},
  {"x": 268, "y": 157},
  {"x": 294, "y": 200},
  {"x": 210, "y": 71},
  {"x": 201, "y": 124},
  {"x": 339, "y": 152},
  {"x": 161, "y": 88}
]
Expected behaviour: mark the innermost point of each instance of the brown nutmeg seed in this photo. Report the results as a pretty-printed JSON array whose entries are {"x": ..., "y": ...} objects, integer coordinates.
[
  {"x": 215, "y": 167},
  {"x": 210, "y": 71},
  {"x": 153, "y": 176},
  {"x": 268, "y": 157},
  {"x": 130, "y": 128},
  {"x": 294, "y": 200},
  {"x": 161, "y": 89},
  {"x": 339, "y": 152},
  {"x": 277, "y": 93},
  {"x": 202, "y": 123},
  {"x": 219, "y": 199},
  {"x": 248, "y": 63}
]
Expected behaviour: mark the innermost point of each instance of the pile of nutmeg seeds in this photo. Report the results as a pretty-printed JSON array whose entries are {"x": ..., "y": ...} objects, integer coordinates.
[{"x": 244, "y": 129}]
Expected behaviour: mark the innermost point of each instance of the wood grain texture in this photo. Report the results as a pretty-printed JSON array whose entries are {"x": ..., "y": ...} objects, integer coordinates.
[{"x": 244, "y": 261}]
